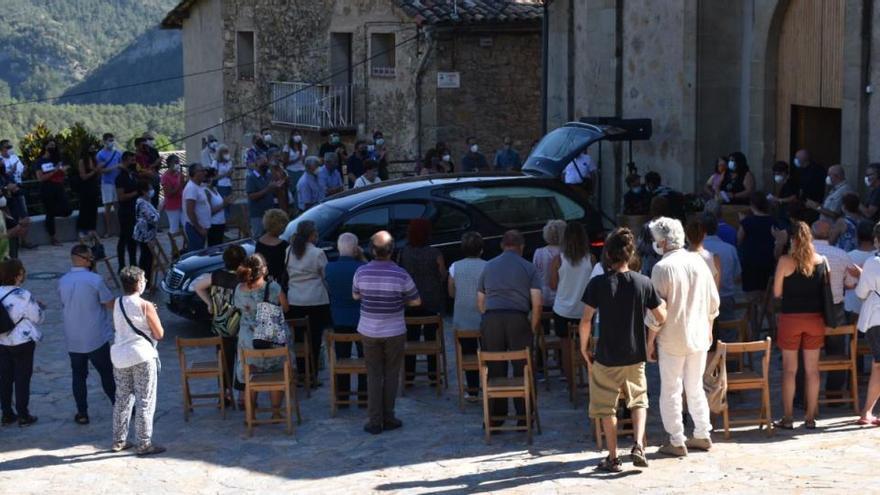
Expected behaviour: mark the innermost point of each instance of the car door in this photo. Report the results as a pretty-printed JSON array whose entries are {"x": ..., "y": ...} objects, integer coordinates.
[{"x": 363, "y": 224}]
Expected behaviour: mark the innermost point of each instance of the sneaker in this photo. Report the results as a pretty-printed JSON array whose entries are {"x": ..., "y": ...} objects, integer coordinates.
[
  {"x": 469, "y": 397},
  {"x": 392, "y": 424},
  {"x": 673, "y": 451},
  {"x": 151, "y": 449},
  {"x": 120, "y": 446},
  {"x": 81, "y": 419},
  {"x": 637, "y": 456},
  {"x": 695, "y": 443},
  {"x": 8, "y": 419},
  {"x": 372, "y": 429},
  {"x": 610, "y": 465},
  {"x": 26, "y": 420}
]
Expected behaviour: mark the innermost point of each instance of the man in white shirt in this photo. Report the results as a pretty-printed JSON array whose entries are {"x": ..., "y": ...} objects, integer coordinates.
[
  {"x": 579, "y": 170},
  {"x": 209, "y": 151},
  {"x": 369, "y": 177},
  {"x": 838, "y": 261},
  {"x": 830, "y": 209},
  {"x": 684, "y": 281},
  {"x": 14, "y": 169},
  {"x": 197, "y": 220}
]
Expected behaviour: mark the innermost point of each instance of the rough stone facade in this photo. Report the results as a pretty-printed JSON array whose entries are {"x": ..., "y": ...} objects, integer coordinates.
[{"x": 499, "y": 66}]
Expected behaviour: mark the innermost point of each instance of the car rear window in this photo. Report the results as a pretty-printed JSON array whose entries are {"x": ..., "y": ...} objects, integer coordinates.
[{"x": 520, "y": 206}]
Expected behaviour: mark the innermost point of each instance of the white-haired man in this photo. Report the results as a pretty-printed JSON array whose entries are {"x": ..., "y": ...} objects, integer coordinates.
[{"x": 684, "y": 281}]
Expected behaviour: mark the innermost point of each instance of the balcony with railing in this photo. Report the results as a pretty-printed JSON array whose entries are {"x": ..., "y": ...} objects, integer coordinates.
[{"x": 312, "y": 106}]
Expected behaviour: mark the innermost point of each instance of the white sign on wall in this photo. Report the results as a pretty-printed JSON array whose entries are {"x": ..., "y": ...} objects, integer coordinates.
[{"x": 450, "y": 80}]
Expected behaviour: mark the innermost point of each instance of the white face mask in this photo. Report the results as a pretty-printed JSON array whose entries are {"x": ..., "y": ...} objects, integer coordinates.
[
  {"x": 107, "y": 144},
  {"x": 2, "y": 201},
  {"x": 657, "y": 248},
  {"x": 828, "y": 181},
  {"x": 151, "y": 143},
  {"x": 731, "y": 165},
  {"x": 779, "y": 179},
  {"x": 267, "y": 137},
  {"x": 224, "y": 157},
  {"x": 797, "y": 162},
  {"x": 446, "y": 158},
  {"x": 474, "y": 148},
  {"x": 297, "y": 139},
  {"x": 868, "y": 181},
  {"x": 213, "y": 145},
  {"x": 152, "y": 193}
]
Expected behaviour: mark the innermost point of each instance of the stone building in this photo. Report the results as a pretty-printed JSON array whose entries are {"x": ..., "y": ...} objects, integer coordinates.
[
  {"x": 421, "y": 71},
  {"x": 766, "y": 77}
]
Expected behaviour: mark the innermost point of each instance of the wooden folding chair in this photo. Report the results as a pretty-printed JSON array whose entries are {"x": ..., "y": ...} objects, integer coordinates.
[
  {"x": 464, "y": 363},
  {"x": 344, "y": 366},
  {"x": 547, "y": 343},
  {"x": 160, "y": 264},
  {"x": 509, "y": 387},
  {"x": 214, "y": 369},
  {"x": 842, "y": 362},
  {"x": 748, "y": 380},
  {"x": 303, "y": 350},
  {"x": 176, "y": 250},
  {"x": 434, "y": 347},
  {"x": 741, "y": 326},
  {"x": 272, "y": 381},
  {"x": 578, "y": 377},
  {"x": 862, "y": 350}
]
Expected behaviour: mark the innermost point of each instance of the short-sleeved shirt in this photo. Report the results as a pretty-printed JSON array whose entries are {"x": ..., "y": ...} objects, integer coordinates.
[
  {"x": 384, "y": 289},
  {"x": 622, "y": 300},
  {"x": 329, "y": 179},
  {"x": 306, "y": 277},
  {"x": 50, "y": 168},
  {"x": 255, "y": 183},
  {"x": 197, "y": 193},
  {"x": 344, "y": 310},
  {"x": 308, "y": 191},
  {"x": 87, "y": 323},
  {"x": 109, "y": 159},
  {"x": 507, "y": 281},
  {"x": 127, "y": 181},
  {"x": 14, "y": 167},
  {"x": 834, "y": 199}
]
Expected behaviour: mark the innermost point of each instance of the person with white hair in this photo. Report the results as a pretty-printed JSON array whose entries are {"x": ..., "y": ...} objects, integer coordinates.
[
  {"x": 543, "y": 259},
  {"x": 684, "y": 281},
  {"x": 329, "y": 175},
  {"x": 344, "y": 310},
  {"x": 308, "y": 188}
]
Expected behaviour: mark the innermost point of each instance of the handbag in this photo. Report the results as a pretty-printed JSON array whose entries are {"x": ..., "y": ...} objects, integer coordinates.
[
  {"x": 715, "y": 382},
  {"x": 271, "y": 329},
  {"x": 829, "y": 310}
]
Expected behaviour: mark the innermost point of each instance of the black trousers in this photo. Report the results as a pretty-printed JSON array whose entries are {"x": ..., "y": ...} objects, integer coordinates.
[
  {"x": 230, "y": 349},
  {"x": 343, "y": 351},
  {"x": 215, "y": 234},
  {"x": 16, "y": 369},
  {"x": 319, "y": 319},
  {"x": 500, "y": 332},
  {"x": 54, "y": 202},
  {"x": 414, "y": 333},
  {"x": 87, "y": 220},
  {"x": 79, "y": 364},
  {"x": 126, "y": 241},
  {"x": 472, "y": 378},
  {"x": 146, "y": 260}
]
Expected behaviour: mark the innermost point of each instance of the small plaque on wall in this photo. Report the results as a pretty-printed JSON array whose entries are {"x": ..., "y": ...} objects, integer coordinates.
[{"x": 448, "y": 80}]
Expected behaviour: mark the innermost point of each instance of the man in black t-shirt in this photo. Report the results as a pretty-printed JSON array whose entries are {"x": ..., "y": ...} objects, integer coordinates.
[
  {"x": 622, "y": 298},
  {"x": 126, "y": 194},
  {"x": 871, "y": 209}
]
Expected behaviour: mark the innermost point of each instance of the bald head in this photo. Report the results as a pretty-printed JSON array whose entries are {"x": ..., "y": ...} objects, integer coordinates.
[
  {"x": 382, "y": 244},
  {"x": 803, "y": 156},
  {"x": 821, "y": 230}
]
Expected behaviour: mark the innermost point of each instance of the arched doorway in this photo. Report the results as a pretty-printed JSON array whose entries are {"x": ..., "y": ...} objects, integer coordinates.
[{"x": 810, "y": 80}]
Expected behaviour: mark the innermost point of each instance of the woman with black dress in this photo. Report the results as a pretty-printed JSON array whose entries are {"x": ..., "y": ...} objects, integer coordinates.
[
  {"x": 739, "y": 183},
  {"x": 50, "y": 172},
  {"x": 89, "y": 193},
  {"x": 273, "y": 249}
]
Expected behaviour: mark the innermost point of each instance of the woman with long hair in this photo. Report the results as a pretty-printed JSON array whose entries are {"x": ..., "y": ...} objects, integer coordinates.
[
  {"x": 50, "y": 172},
  {"x": 569, "y": 274},
  {"x": 272, "y": 247},
  {"x": 89, "y": 191},
  {"x": 307, "y": 291},
  {"x": 712, "y": 188},
  {"x": 799, "y": 283},
  {"x": 739, "y": 183}
]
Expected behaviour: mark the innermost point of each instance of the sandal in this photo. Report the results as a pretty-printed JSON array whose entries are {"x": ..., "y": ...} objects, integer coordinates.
[
  {"x": 610, "y": 465},
  {"x": 866, "y": 421},
  {"x": 637, "y": 456},
  {"x": 810, "y": 424},
  {"x": 784, "y": 424}
]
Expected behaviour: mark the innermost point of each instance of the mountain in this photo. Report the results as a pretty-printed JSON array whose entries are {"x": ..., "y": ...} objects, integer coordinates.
[{"x": 52, "y": 46}]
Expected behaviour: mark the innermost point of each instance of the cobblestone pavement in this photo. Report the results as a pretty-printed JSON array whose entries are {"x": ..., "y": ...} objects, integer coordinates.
[{"x": 439, "y": 450}]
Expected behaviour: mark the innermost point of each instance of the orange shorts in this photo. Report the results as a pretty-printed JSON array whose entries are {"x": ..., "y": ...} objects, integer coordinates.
[{"x": 800, "y": 331}]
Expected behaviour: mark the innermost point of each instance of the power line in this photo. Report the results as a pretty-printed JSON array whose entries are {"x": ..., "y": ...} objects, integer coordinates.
[{"x": 288, "y": 95}]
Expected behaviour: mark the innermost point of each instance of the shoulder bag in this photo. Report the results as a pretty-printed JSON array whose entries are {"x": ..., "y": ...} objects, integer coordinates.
[
  {"x": 271, "y": 329},
  {"x": 715, "y": 382}
]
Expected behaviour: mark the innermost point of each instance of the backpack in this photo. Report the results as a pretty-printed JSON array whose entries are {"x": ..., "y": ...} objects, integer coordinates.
[
  {"x": 6, "y": 323},
  {"x": 225, "y": 316}
]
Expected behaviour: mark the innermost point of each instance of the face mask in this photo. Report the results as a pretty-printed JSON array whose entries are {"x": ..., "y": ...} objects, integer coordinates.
[
  {"x": 446, "y": 158},
  {"x": 868, "y": 181},
  {"x": 380, "y": 142},
  {"x": 828, "y": 181},
  {"x": 797, "y": 162},
  {"x": 297, "y": 139},
  {"x": 109, "y": 144},
  {"x": 334, "y": 139},
  {"x": 474, "y": 148},
  {"x": 224, "y": 157},
  {"x": 151, "y": 143},
  {"x": 267, "y": 137},
  {"x": 174, "y": 166},
  {"x": 371, "y": 148},
  {"x": 731, "y": 165},
  {"x": 152, "y": 193},
  {"x": 2, "y": 201},
  {"x": 213, "y": 145},
  {"x": 657, "y": 248},
  {"x": 779, "y": 179},
  {"x": 637, "y": 190}
]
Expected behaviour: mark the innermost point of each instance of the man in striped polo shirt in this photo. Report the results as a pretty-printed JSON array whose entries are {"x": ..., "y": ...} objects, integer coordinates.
[{"x": 384, "y": 289}]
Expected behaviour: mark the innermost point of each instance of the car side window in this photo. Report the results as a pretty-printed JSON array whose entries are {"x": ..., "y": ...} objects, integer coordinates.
[
  {"x": 518, "y": 207},
  {"x": 367, "y": 223},
  {"x": 401, "y": 214},
  {"x": 446, "y": 219}
]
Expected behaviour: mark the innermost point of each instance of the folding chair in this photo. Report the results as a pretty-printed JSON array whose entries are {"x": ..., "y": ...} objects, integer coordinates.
[
  {"x": 862, "y": 350},
  {"x": 547, "y": 343},
  {"x": 160, "y": 264},
  {"x": 434, "y": 347},
  {"x": 464, "y": 363},
  {"x": 344, "y": 366},
  {"x": 578, "y": 377},
  {"x": 214, "y": 369},
  {"x": 176, "y": 250},
  {"x": 741, "y": 326},
  {"x": 509, "y": 387},
  {"x": 748, "y": 380},
  {"x": 274, "y": 381},
  {"x": 303, "y": 350},
  {"x": 842, "y": 362}
]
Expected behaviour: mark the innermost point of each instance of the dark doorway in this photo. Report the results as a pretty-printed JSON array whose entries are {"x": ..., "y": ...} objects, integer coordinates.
[{"x": 817, "y": 130}]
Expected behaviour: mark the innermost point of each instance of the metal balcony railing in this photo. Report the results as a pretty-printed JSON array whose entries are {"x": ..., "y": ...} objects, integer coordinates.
[{"x": 311, "y": 106}]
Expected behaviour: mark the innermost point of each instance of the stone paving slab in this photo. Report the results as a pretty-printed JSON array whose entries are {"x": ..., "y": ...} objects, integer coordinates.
[{"x": 439, "y": 450}]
